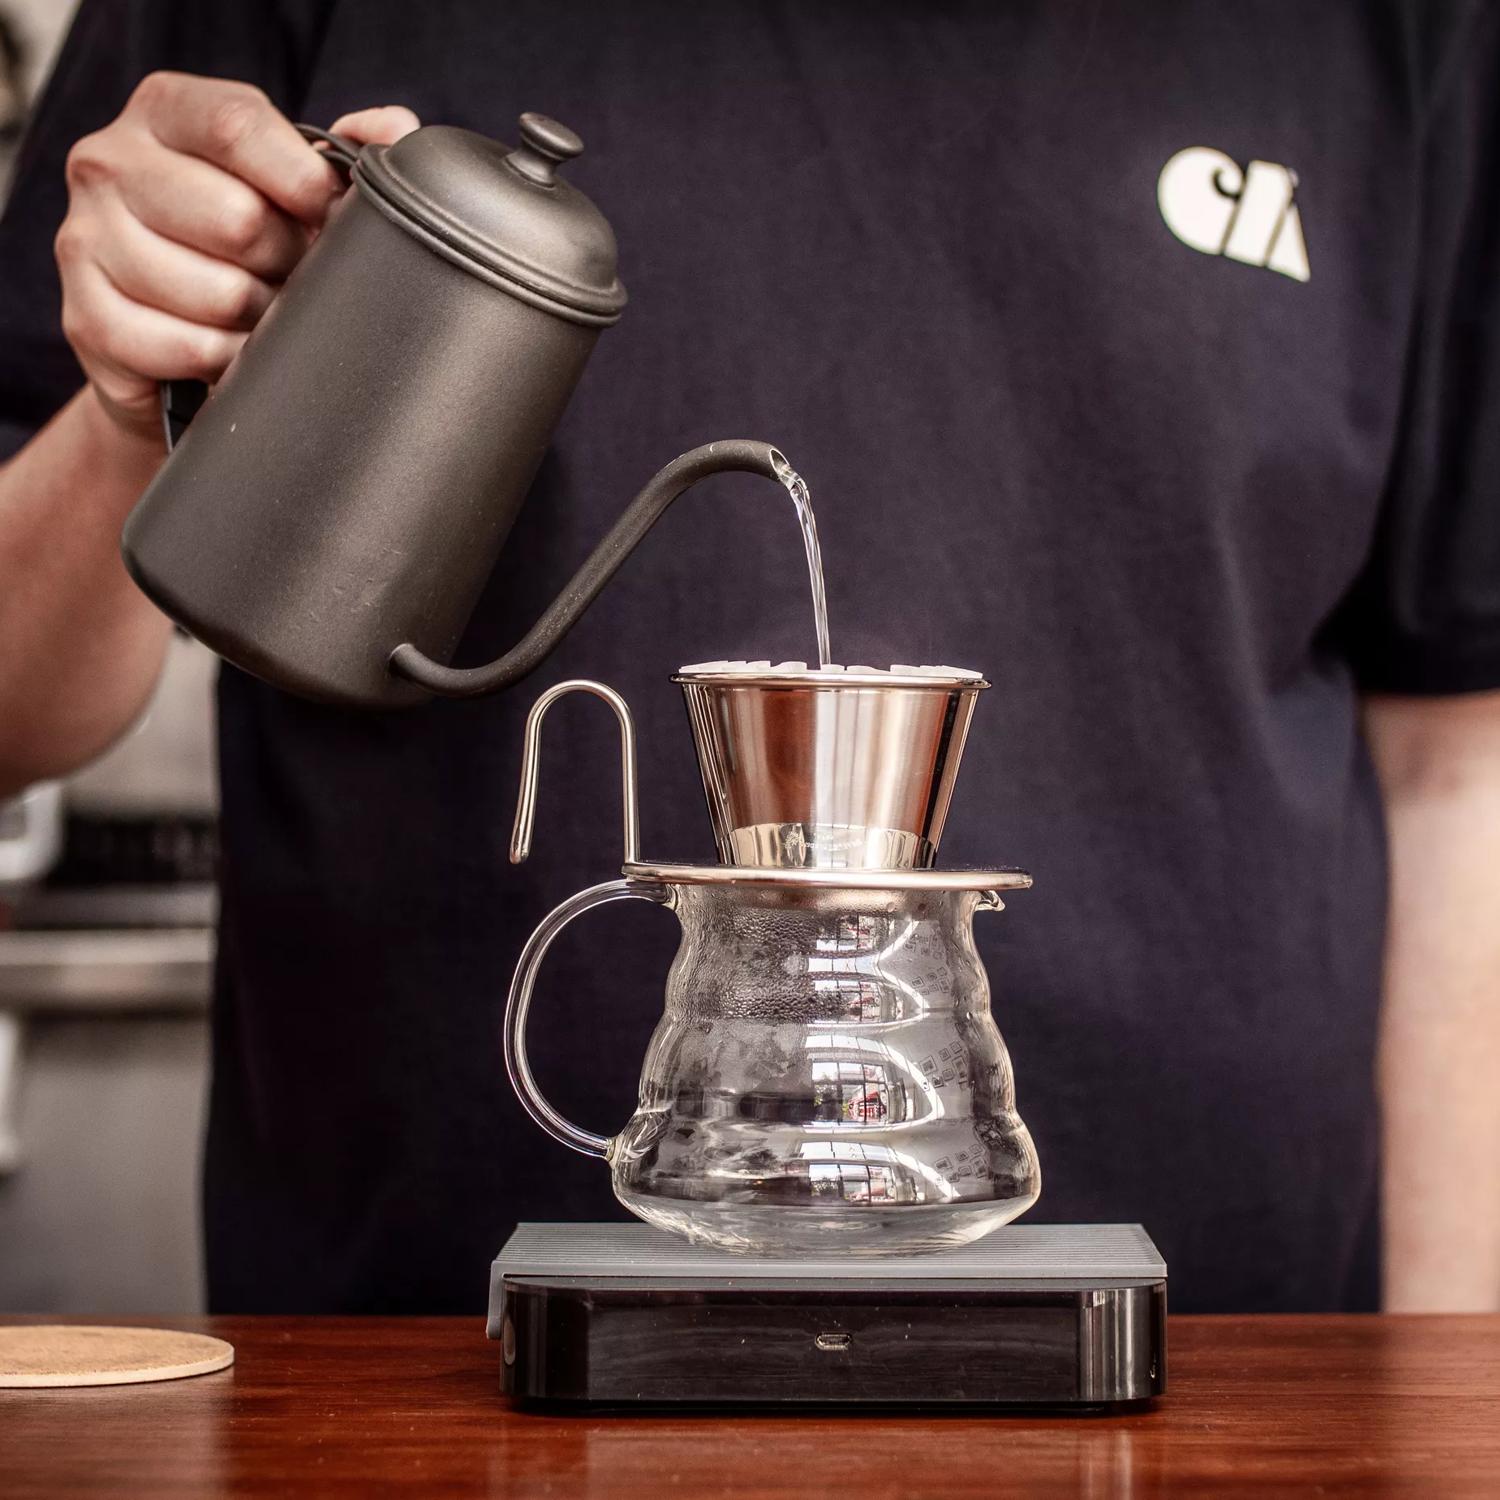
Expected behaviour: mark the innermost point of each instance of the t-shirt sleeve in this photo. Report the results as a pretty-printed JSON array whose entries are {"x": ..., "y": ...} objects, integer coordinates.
[
  {"x": 112, "y": 45},
  {"x": 1424, "y": 616}
]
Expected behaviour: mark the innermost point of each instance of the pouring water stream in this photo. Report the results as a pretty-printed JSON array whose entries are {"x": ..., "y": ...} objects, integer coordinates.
[{"x": 796, "y": 487}]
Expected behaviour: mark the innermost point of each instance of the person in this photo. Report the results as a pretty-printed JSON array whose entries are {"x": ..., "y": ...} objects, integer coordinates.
[{"x": 1144, "y": 358}]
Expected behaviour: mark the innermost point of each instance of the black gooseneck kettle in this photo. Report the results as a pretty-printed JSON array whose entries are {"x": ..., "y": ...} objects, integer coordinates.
[{"x": 329, "y": 517}]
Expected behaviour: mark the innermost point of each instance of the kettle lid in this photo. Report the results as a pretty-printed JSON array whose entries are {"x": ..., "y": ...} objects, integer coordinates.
[{"x": 502, "y": 213}]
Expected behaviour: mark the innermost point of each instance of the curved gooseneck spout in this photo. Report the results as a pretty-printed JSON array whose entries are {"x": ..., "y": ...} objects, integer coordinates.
[{"x": 742, "y": 454}]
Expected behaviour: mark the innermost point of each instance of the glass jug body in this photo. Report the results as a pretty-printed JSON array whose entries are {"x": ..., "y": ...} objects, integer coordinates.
[{"x": 826, "y": 1077}]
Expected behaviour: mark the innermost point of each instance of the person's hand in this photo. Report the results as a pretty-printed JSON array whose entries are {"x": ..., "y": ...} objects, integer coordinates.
[{"x": 184, "y": 216}]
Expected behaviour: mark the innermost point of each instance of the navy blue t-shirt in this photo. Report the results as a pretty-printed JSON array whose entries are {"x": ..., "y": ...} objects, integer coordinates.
[{"x": 1143, "y": 357}]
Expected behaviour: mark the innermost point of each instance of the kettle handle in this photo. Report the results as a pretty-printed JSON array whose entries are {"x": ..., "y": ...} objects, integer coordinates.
[
  {"x": 518, "y": 1006},
  {"x": 744, "y": 455},
  {"x": 180, "y": 399}
]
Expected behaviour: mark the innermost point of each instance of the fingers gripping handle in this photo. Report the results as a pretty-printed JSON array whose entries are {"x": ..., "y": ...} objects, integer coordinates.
[
  {"x": 180, "y": 399},
  {"x": 518, "y": 1006}
]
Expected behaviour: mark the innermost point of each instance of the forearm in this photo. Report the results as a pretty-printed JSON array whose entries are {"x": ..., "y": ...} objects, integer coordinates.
[
  {"x": 80, "y": 646},
  {"x": 1440, "y": 1040}
]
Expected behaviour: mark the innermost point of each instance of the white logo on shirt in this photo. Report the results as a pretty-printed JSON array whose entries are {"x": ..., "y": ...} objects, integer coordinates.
[{"x": 1249, "y": 214}]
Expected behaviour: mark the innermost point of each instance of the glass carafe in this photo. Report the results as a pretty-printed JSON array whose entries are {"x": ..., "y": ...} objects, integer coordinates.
[{"x": 826, "y": 1076}]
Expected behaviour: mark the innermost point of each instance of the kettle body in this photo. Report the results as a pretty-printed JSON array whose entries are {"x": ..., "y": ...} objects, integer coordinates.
[{"x": 352, "y": 480}]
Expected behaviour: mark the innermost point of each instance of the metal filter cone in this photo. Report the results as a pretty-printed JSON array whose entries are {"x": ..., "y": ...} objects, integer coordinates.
[{"x": 829, "y": 770}]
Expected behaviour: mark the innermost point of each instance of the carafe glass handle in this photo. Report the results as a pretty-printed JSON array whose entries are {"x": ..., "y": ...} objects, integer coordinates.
[{"x": 518, "y": 1004}]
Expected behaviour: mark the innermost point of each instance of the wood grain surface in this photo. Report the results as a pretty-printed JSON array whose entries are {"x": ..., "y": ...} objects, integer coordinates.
[{"x": 343, "y": 1406}]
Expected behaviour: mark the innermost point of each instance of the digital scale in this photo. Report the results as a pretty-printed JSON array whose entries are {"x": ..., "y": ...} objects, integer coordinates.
[{"x": 1032, "y": 1316}]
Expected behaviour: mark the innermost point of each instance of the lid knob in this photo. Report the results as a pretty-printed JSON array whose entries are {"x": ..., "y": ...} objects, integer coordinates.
[{"x": 545, "y": 145}]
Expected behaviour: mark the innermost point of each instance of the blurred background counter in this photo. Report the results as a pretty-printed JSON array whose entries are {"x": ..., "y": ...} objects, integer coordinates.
[{"x": 106, "y": 954}]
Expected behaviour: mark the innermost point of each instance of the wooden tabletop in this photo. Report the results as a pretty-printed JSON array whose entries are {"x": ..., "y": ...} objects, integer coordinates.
[{"x": 344, "y": 1406}]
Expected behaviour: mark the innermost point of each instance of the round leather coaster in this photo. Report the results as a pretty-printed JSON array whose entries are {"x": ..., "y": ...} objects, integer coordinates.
[{"x": 58, "y": 1354}]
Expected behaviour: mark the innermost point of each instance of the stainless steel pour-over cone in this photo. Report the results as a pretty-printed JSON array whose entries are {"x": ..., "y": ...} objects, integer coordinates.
[{"x": 829, "y": 770}]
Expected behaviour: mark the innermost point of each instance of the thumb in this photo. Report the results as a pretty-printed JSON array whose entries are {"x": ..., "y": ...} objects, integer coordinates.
[{"x": 380, "y": 126}]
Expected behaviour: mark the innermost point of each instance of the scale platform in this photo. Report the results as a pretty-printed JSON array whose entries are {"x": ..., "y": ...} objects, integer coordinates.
[{"x": 1033, "y": 1316}]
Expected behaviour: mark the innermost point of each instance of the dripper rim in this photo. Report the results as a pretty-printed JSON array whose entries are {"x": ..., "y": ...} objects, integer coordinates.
[{"x": 830, "y": 681}]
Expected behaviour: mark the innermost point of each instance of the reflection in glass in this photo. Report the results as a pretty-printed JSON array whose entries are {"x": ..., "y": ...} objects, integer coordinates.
[{"x": 826, "y": 1076}]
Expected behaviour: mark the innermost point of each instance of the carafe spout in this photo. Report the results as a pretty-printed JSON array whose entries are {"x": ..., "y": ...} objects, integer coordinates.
[{"x": 737, "y": 454}]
